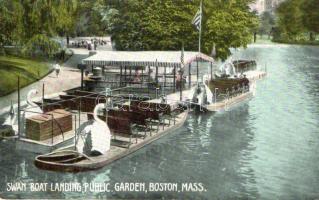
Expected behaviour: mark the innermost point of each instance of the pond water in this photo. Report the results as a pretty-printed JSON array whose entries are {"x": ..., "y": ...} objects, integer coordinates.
[{"x": 267, "y": 148}]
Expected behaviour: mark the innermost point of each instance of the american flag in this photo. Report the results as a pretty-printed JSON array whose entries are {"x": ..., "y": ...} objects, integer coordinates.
[
  {"x": 197, "y": 21},
  {"x": 182, "y": 56}
]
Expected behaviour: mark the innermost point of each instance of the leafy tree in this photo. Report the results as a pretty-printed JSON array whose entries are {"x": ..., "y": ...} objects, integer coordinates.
[
  {"x": 10, "y": 22},
  {"x": 267, "y": 22},
  {"x": 290, "y": 20},
  {"x": 153, "y": 25},
  {"x": 92, "y": 18},
  {"x": 310, "y": 10},
  {"x": 165, "y": 25},
  {"x": 229, "y": 24}
]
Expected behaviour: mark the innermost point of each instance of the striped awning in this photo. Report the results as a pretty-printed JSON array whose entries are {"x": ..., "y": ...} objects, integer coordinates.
[{"x": 144, "y": 58}]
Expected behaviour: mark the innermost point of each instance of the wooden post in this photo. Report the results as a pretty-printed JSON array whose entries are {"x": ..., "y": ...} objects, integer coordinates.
[
  {"x": 211, "y": 71},
  {"x": 197, "y": 71},
  {"x": 130, "y": 79},
  {"x": 103, "y": 68},
  {"x": 121, "y": 71},
  {"x": 80, "y": 108},
  {"x": 142, "y": 79},
  {"x": 156, "y": 74},
  {"x": 125, "y": 75},
  {"x": 189, "y": 75},
  {"x": 164, "y": 77},
  {"x": 174, "y": 79},
  {"x": 82, "y": 76},
  {"x": 181, "y": 86},
  {"x": 19, "y": 110},
  {"x": 75, "y": 131},
  {"x": 43, "y": 96},
  {"x": 149, "y": 79}
]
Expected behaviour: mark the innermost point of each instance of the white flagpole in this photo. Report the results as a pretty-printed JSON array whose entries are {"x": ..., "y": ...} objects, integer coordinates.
[{"x": 200, "y": 28}]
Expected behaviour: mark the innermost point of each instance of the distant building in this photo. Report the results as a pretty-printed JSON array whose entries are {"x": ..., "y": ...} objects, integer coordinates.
[{"x": 261, "y": 6}]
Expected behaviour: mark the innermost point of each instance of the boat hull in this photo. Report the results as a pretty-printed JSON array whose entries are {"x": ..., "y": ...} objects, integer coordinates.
[{"x": 230, "y": 102}]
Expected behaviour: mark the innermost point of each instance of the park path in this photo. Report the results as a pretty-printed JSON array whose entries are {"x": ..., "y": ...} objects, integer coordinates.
[{"x": 69, "y": 77}]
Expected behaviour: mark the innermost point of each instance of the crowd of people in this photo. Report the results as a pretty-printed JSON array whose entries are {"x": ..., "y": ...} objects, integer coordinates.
[{"x": 90, "y": 44}]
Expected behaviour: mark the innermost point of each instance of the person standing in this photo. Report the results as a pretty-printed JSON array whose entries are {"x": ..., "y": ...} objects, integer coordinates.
[{"x": 57, "y": 69}]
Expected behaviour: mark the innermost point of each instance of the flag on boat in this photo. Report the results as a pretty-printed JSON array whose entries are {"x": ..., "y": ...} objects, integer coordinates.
[
  {"x": 197, "y": 21},
  {"x": 182, "y": 56}
]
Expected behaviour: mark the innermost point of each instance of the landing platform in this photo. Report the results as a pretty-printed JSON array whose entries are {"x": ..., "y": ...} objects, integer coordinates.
[{"x": 255, "y": 75}]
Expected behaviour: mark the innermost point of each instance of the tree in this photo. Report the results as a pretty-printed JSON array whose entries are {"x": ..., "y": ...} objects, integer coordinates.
[
  {"x": 10, "y": 22},
  {"x": 165, "y": 25},
  {"x": 266, "y": 23},
  {"x": 290, "y": 20},
  {"x": 229, "y": 24},
  {"x": 310, "y": 10}
]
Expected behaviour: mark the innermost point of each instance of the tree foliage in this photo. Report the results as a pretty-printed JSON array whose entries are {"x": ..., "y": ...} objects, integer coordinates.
[
  {"x": 228, "y": 24},
  {"x": 133, "y": 24},
  {"x": 33, "y": 24},
  {"x": 10, "y": 22},
  {"x": 266, "y": 23},
  {"x": 310, "y": 10},
  {"x": 165, "y": 25},
  {"x": 297, "y": 17}
]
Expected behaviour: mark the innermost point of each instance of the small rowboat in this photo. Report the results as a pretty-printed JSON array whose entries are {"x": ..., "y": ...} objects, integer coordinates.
[{"x": 60, "y": 160}]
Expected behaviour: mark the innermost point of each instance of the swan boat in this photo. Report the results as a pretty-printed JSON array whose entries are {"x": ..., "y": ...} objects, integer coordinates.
[
  {"x": 73, "y": 159},
  {"x": 229, "y": 92},
  {"x": 221, "y": 93},
  {"x": 10, "y": 125}
]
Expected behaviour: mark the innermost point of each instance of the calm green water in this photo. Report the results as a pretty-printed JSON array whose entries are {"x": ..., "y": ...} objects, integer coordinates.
[{"x": 267, "y": 148}]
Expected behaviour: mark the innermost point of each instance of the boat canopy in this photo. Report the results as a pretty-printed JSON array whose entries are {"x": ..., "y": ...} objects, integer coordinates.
[{"x": 145, "y": 58}]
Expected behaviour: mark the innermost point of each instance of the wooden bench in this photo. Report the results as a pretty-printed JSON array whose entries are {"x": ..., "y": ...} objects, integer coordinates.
[
  {"x": 164, "y": 110},
  {"x": 120, "y": 126}
]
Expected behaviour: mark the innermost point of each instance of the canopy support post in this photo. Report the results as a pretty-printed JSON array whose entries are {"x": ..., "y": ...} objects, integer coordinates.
[
  {"x": 43, "y": 96},
  {"x": 82, "y": 75},
  {"x": 125, "y": 76},
  {"x": 156, "y": 75},
  {"x": 164, "y": 77},
  {"x": 130, "y": 78},
  {"x": 121, "y": 74},
  {"x": 174, "y": 79},
  {"x": 142, "y": 78},
  {"x": 189, "y": 75},
  {"x": 197, "y": 71},
  {"x": 211, "y": 71},
  {"x": 19, "y": 110},
  {"x": 149, "y": 79},
  {"x": 181, "y": 85},
  {"x": 103, "y": 73}
]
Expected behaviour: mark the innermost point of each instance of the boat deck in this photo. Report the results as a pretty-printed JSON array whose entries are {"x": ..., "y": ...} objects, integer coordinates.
[
  {"x": 228, "y": 103},
  {"x": 116, "y": 152},
  {"x": 50, "y": 144},
  {"x": 255, "y": 75}
]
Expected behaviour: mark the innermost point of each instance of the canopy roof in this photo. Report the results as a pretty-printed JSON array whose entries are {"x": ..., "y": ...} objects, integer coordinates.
[{"x": 145, "y": 58}]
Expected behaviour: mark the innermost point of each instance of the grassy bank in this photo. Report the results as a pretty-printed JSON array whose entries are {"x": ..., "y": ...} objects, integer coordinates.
[{"x": 28, "y": 70}]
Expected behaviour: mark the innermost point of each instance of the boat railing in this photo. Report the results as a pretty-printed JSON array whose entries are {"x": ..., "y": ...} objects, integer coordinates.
[{"x": 221, "y": 96}]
